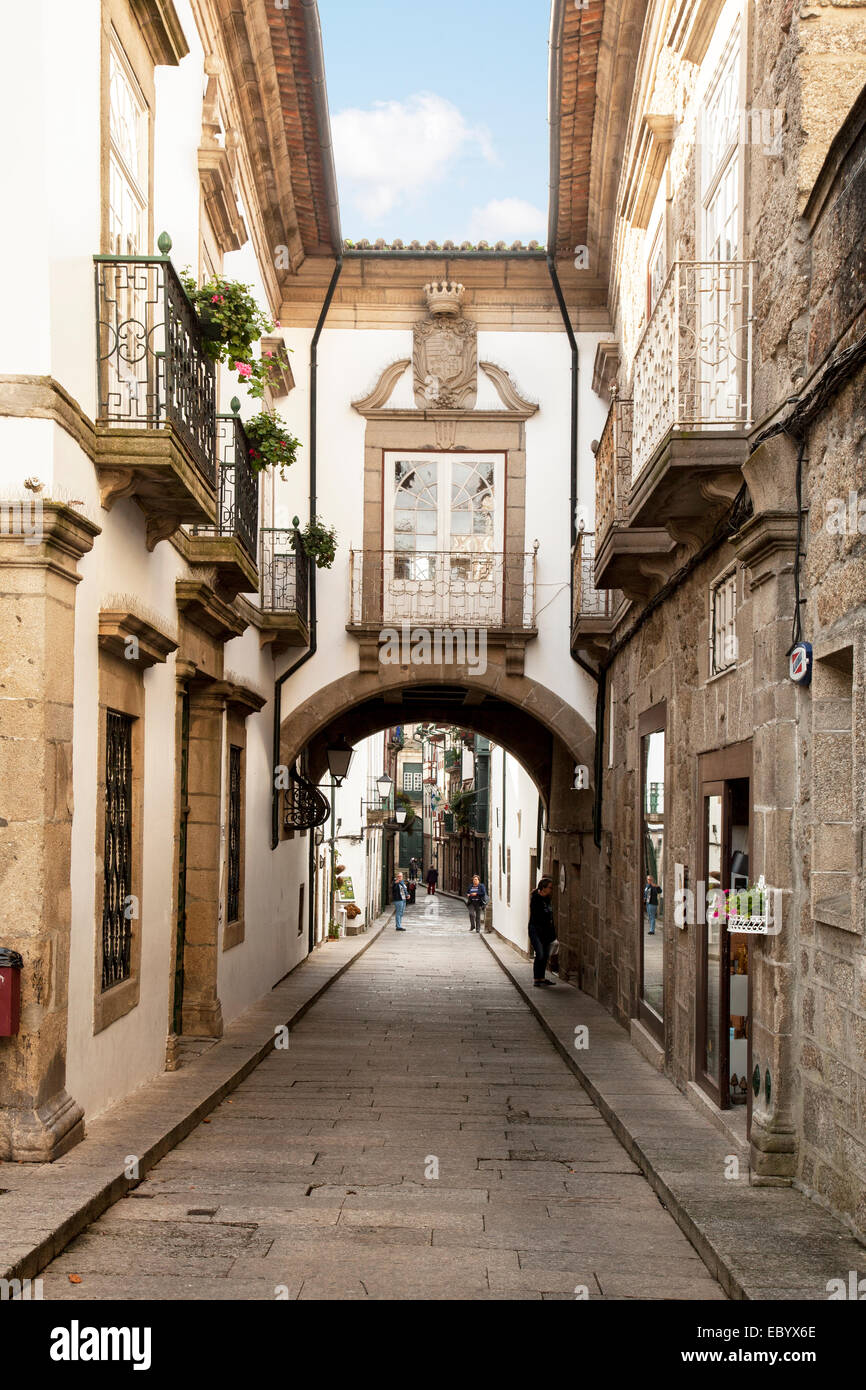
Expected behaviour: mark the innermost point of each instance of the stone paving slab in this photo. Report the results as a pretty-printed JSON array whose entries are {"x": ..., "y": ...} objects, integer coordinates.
[
  {"x": 312, "y": 1180},
  {"x": 758, "y": 1242},
  {"x": 47, "y": 1205}
]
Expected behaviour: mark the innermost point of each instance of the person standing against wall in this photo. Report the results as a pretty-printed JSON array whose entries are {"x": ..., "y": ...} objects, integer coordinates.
[
  {"x": 542, "y": 932},
  {"x": 651, "y": 899}
]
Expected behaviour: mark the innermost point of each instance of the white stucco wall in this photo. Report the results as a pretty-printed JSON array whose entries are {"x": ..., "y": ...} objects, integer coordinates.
[
  {"x": 513, "y": 825},
  {"x": 48, "y": 329},
  {"x": 350, "y": 363}
]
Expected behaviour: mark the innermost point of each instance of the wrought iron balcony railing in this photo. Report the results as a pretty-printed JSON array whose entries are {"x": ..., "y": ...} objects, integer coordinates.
[
  {"x": 693, "y": 365},
  {"x": 613, "y": 468},
  {"x": 238, "y": 511},
  {"x": 443, "y": 588},
  {"x": 284, "y": 571},
  {"x": 590, "y": 602},
  {"x": 152, "y": 369}
]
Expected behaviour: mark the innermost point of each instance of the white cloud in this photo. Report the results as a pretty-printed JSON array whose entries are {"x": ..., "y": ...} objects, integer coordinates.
[
  {"x": 396, "y": 149},
  {"x": 508, "y": 219}
]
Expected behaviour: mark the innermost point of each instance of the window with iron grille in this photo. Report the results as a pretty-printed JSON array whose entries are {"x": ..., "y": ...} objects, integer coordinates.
[
  {"x": 117, "y": 854},
  {"x": 723, "y": 623},
  {"x": 233, "y": 893}
]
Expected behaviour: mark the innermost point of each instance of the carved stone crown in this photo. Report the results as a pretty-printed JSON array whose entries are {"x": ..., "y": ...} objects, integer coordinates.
[{"x": 444, "y": 296}]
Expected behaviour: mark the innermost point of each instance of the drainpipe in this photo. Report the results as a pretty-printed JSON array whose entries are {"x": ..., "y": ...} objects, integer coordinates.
[
  {"x": 598, "y": 676},
  {"x": 311, "y": 649},
  {"x": 554, "y": 87},
  {"x": 316, "y": 61}
]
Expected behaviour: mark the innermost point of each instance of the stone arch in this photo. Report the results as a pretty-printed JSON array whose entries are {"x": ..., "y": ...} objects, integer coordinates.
[{"x": 540, "y": 729}]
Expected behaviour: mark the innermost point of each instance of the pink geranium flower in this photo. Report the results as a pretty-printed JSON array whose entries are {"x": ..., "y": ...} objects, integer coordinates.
[
  {"x": 243, "y": 369},
  {"x": 217, "y": 299}
]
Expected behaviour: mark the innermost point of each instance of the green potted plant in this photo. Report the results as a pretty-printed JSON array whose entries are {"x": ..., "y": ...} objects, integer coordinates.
[
  {"x": 230, "y": 317},
  {"x": 461, "y": 808},
  {"x": 405, "y": 803},
  {"x": 320, "y": 543},
  {"x": 272, "y": 445}
]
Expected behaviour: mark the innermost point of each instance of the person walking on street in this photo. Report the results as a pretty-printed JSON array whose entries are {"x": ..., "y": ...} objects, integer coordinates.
[
  {"x": 651, "y": 898},
  {"x": 400, "y": 895},
  {"x": 432, "y": 879},
  {"x": 542, "y": 932},
  {"x": 476, "y": 901}
]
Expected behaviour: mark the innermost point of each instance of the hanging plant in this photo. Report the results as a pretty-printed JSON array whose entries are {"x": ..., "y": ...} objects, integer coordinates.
[
  {"x": 271, "y": 443},
  {"x": 461, "y": 807},
  {"x": 320, "y": 543},
  {"x": 231, "y": 320}
]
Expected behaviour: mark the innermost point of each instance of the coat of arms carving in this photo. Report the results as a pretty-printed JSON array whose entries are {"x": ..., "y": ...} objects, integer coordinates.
[{"x": 445, "y": 359}]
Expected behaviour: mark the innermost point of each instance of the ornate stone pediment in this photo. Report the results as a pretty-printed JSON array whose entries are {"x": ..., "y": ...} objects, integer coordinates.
[
  {"x": 445, "y": 356},
  {"x": 444, "y": 367}
]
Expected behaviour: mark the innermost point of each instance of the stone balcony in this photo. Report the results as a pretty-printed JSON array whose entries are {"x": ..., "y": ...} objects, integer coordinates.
[
  {"x": 230, "y": 546},
  {"x": 669, "y": 458},
  {"x": 692, "y": 393},
  {"x": 617, "y": 545},
  {"x": 596, "y": 612},
  {"x": 284, "y": 590},
  {"x": 156, "y": 413},
  {"x": 449, "y": 594}
]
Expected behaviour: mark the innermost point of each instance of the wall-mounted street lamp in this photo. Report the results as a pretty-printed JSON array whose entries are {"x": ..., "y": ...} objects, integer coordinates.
[
  {"x": 340, "y": 756},
  {"x": 383, "y": 790}
]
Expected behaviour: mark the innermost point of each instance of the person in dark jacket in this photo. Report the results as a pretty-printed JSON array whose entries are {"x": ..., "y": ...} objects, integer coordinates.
[
  {"x": 476, "y": 900},
  {"x": 432, "y": 879},
  {"x": 542, "y": 932},
  {"x": 400, "y": 895}
]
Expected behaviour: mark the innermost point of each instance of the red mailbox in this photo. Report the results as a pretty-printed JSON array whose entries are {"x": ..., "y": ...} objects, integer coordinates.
[{"x": 10, "y": 992}]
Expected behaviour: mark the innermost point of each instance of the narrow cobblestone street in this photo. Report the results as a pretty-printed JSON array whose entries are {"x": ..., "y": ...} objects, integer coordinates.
[{"x": 317, "y": 1178}]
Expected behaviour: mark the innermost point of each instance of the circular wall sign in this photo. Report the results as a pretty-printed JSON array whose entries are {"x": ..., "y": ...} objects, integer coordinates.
[{"x": 800, "y": 663}]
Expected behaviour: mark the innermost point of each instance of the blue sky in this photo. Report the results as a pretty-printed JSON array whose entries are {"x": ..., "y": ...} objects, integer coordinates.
[{"x": 439, "y": 115}]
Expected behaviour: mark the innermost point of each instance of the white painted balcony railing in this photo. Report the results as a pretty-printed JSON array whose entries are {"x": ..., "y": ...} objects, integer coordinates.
[
  {"x": 443, "y": 588},
  {"x": 693, "y": 365}
]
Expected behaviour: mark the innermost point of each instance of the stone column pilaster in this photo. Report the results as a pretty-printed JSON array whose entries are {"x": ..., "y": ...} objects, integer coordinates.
[
  {"x": 767, "y": 544},
  {"x": 202, "y": 1012},
  {"x": 40, "y": 544}
]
